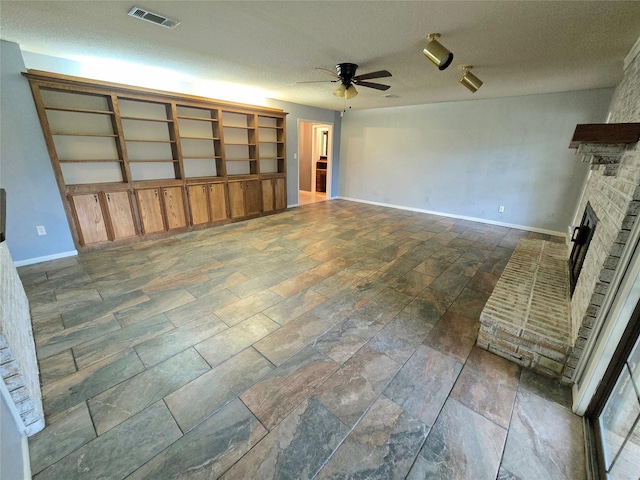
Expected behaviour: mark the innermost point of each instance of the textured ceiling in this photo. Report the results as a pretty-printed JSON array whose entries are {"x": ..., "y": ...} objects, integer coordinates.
[{"x": 517, "y": 47}]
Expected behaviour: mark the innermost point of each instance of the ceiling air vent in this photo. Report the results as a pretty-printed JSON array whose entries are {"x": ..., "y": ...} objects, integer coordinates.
[{"x": 143, "y": 14}]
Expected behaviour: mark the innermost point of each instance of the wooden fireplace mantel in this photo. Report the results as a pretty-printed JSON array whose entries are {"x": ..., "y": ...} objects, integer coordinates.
[
  {"x": 604, "y": 143},
  {"x": 605, "y": 133}
]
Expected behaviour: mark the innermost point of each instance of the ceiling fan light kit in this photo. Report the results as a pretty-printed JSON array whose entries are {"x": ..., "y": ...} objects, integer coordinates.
[
  {"x": 340, "y": 90},
  {"x": 351, "y": 92},
  {"x": 436, "y": 53},
  {"x": 346, "y": 75},
  {"x": 469, "y": 80}
]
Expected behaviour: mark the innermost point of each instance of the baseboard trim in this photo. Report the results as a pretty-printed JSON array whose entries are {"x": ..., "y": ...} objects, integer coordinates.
[
  {"x": 46, "y": 258},
  {"x": 461, "y": 217}
]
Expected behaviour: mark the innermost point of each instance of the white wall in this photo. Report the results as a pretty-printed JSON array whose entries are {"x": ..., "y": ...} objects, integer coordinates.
[
  {"x": 14, "y": 446},
  {"x": 468, "y": 158}
]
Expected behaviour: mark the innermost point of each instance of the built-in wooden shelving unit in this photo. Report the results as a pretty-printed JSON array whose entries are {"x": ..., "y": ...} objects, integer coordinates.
[{"x": 134, "y": 163}]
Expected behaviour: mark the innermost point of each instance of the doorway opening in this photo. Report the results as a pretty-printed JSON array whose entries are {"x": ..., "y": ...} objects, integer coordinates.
[{"x": 314, "y": 161}]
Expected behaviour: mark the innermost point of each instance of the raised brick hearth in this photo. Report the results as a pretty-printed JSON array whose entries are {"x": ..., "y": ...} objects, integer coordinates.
[{"x": 527, "y": 318}]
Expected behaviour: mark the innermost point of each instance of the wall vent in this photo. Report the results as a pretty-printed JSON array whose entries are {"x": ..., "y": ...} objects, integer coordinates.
[{"x": 143, "y": 14}]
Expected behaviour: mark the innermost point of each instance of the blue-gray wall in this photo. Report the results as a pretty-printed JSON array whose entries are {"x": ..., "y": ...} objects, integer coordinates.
[
  {"x": 311, "y": 114},
  {"x": 33, "y": 197},
  {"x": 468, "y": 158}
]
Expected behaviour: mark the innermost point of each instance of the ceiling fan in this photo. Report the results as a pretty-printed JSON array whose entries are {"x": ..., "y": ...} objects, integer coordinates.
[{"x": 346, "y": 74}]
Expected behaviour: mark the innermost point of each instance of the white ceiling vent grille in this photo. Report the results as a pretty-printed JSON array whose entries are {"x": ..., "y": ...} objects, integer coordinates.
[{"x": 143, "y": 14}]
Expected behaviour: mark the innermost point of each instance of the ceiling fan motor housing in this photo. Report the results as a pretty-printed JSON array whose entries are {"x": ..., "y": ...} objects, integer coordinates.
[{"x": 346, "y": 72}]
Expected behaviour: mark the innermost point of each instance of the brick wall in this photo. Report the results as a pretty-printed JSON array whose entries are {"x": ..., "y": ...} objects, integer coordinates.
[
  {"x": 18, "y": 363},
  {"x": 616, "y": 203}
]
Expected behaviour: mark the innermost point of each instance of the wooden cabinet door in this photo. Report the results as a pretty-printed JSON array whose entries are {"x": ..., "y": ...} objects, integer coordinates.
[
  {"x": 236, "y": 199},
  {"x": 121, "y": 215},
  {"x": 217, "y": 202},
  {"x": 198, "y": 204},
  {"x": 150, "y": 210},
  {"x": 267, "y": 195},
  {"x": 280, "y": 189},
  {"x": 252, "y": 197},
  {"x": 89, "y": 219},
  {"x": 174, "y": 207}
]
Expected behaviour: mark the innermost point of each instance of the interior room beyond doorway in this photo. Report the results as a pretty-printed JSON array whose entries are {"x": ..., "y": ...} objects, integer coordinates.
[{"x": 314, "y": 146}]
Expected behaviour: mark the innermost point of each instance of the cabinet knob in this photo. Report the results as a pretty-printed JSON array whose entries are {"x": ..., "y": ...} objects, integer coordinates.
[
  {"x": 203, "y": 189},
  {"x": 95, "y": 197},
  {"x": 108, "y": 197}
]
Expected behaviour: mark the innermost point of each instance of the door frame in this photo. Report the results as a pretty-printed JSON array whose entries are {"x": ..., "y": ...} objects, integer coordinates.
[
  {"x": 616, "y": 314},
  {"x": 315, "y": 147},
  {"x": 593, "y": 433}
]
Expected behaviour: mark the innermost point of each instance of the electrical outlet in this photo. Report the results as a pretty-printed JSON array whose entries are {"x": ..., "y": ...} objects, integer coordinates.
[
  {"x": 40, "y": 229},
  {"x": 501, "y": 209}
]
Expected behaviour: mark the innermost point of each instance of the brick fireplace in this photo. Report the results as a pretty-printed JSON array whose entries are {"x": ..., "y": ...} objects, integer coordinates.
[
  {"x": 554, "y": 340},
  {"x": 615, "y": 200}
]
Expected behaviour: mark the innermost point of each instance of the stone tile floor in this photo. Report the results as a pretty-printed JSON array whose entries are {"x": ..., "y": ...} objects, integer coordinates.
[{"x": 335, "y": 340}]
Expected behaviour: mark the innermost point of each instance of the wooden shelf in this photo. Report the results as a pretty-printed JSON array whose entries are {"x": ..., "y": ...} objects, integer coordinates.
[
  {"x": 82, "y": 188},
  {"x": 242, "y": 176},
  {"x": 80, "y": 110},
  {"x": 605, "y": 133},
  {"x": 199, "y": 180},
  {"x": 148, "y": 141},
  {"x": 241, "y": 144},
  {"x": 91, "y": 160},
  {"x": 153, "y": 161},
  {"x": 241, "y": 159},
  {"x": 271, "y": 158},
  {"x": 200, "y": 138},
  {"x": 101, "y": 135},
  {"x": 194, "y": 157},
  {"x": 203, "y": 119},
  {"x": 146, "y": 119},
  {"x": 238, "y": 127},
  {"x": 159, "y": 184}
]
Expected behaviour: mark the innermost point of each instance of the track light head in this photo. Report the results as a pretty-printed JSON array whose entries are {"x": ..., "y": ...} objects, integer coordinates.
[
  {"x": 469, "y": 80},
  {"x": 436, "y": 53}
]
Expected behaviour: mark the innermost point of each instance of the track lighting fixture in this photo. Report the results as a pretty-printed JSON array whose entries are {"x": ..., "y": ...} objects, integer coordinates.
[
  {"x": 434, "y": 51},
  {"x": 469, "y": 80}
]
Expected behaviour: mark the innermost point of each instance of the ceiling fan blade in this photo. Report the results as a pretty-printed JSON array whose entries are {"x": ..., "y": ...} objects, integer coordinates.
[
  {"x": 330, "y": 72},
  {"x": 378, "y": 74},
  {"x": 377, "y": 86},
  {"x": 320, "y": 81}
]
